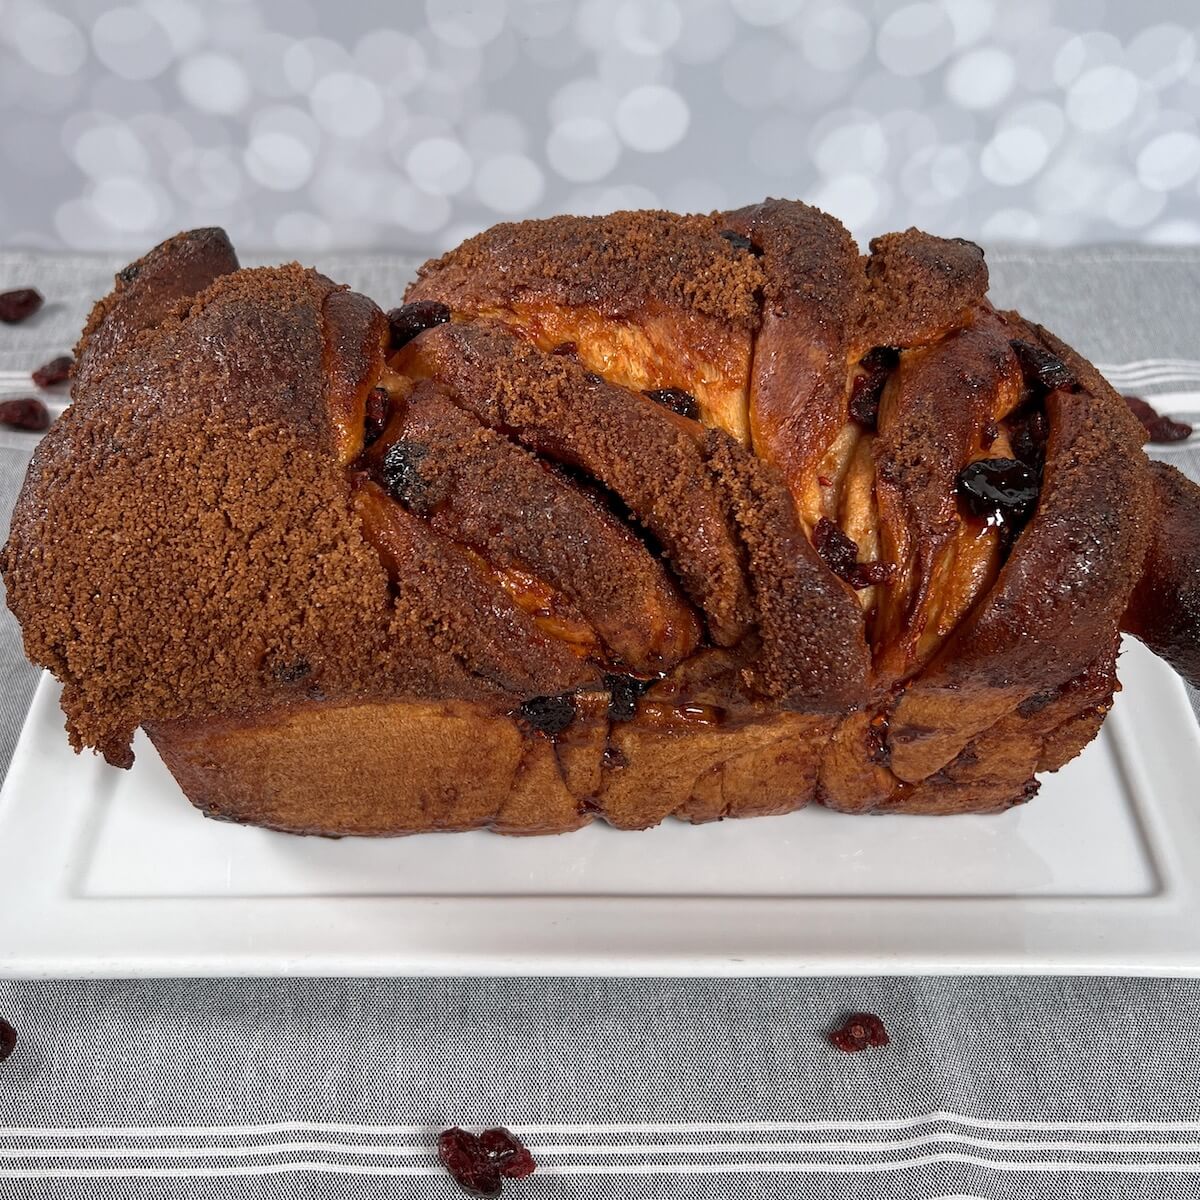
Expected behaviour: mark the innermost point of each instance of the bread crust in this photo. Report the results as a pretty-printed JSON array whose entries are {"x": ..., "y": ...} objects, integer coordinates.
[{"x": 352, "y": 582}]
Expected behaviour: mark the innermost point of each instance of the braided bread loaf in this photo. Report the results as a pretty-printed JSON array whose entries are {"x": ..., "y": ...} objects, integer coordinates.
[{"x": 619, "y": 517}]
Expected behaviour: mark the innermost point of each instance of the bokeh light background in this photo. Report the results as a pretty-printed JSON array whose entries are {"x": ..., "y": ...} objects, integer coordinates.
[{"x": 325, "y": 124}]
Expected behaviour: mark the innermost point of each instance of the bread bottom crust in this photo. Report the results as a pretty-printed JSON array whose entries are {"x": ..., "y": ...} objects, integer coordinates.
[{"x": 396, "y": 767}]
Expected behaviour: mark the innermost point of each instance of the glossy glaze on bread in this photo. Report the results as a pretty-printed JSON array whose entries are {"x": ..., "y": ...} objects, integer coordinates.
[{"x": 655, "y": 515}]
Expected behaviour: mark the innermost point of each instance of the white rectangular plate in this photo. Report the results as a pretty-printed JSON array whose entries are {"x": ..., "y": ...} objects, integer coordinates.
[{"x": 104, "y": 872}]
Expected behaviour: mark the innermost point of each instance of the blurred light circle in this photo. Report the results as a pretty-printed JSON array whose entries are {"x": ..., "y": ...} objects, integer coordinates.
[
  {"x": 981, "y": 78},
  {"x": 652, "y": 118},
  {"x": 131, "y": 44},
  {"x": 509, "y": 183},
  {"x": 708, "y": 30},
  {"x": 1169, "y": 160},
  {"x": 915, "y": 39},
  {"x": 439, "y": 165},
  {"x": 304, "y": 231},
  {"x": 279, "y": 161},
  {"x": 392, "y": 57},
  {"x": 971, "y": 19},
  {"x": 183, "y": 23},
  {"x": 308, "y": 59},
  {"x": 1161, "y": 54},
  {"x": 465, "y": 23},
  {"x": 206, "y": 177},
  {"x": 127, "y": 204},
  {"x": 1101, "y": 98},
  {"x": 1129, "y": 205},
  {"x": 1048, "y": 119},
  {"x": 583, "y": 149},
  {"x": 48, "y": 41},
  {"x": 647, "y": 26},
  {"x": 214, "y": 83},
  {"x": 109, "y": 149},
  {"x": 1071, "y": 185},
  {"x": 416, "y": 210},
  {"x": 582, "y": 98},
  {"x": 748, "y": 72},
  {"x": 495, "y": 133},
  {"x": 289, "y": 120},
  {"x": 950, "y": 171},
  {"x": 264, "y": 55},
  {"x": 1011, "y": 224},
  {"x": 1178, "y": 231},
  {"x": 767, "y": 12},
  {"x": 622, "y": 70},
  {"x": 347, "y": 105},
  {"x": 849, "y": 142},
  {"x": 853, "y": 199},
  {"x": 539, "y": 18},
  {"x": 835, "y": 38},
  {"x": 594, "y": 23},
  {"x": 1014, "y": 155},
  {"x": 1084, "y": 50}
]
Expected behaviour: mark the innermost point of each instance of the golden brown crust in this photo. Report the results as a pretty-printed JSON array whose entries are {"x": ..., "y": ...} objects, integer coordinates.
[
  {"x": 1164, "y": 610},
  {"x": 483, "y": 581},
  {"x": 643, "y": 453}
]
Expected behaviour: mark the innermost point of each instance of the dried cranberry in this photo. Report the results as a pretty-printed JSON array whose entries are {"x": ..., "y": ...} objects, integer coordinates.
[
  {"x": 410, "y": 319},
  {"x": 57, "y": 370},
  {"x": 1041, "y": 367},
  {"x": 623, "y": 693},
  {"x": 873, "y": 370},
  {"x": 508, "y": 1153},
  {"x": 840, "y": 554},
  {"x": 859, "y": 1031},
  {"x": 548, "y": 714},
  {"x": 18, "y": 304},
  {"x": 8, "y": 1039},
  {"x": 401, "y": 472},
  {"x": 1158, "y": 428},
  {"x": 376, "y": 414},
  {"x": 739, "y": 241},
  {"x": 999, "y": 489},
  {"x": 677, "y": 400},
  {"x": 473, "y": 1169},
  {"x": 26, "y": 413}
]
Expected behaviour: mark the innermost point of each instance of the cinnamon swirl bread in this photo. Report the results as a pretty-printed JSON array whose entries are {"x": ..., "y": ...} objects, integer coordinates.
[{"x": 623, "y": 518}]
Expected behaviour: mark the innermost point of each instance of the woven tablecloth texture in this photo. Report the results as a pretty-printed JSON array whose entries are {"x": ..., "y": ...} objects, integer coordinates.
[{"x": 626, "y": 1088}]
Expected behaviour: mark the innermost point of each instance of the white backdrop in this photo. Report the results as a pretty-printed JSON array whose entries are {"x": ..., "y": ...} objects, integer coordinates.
[{"x": 310, "y": 124}]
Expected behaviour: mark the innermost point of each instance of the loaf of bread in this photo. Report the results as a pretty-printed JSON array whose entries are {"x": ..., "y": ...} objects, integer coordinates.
[{"x": 621, "y": 517}]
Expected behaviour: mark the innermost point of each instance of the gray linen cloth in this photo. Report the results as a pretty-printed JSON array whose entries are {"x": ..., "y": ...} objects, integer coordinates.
[{"x": 626, "y": 1088}]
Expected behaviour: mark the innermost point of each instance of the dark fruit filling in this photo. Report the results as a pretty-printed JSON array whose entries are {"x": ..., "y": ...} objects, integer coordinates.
[
  {"x": 840, "y": 554},
  {"x": 18, "y": 304},
  {"x": 548, "y": 714},
  {"x": 25, "y": 413},
  {"x": 872, "y": 374},
  {"x": 401, "y": 473},
  {"x": 57, "y": 370},
  {"x": 508, "y": 1153},
  {"x": 677, "y": 400},
  {"x": 1043, "y": 368},
  {"x": 565, "y": 350},
  {"x": 1028, "y": 440},
  {"x": 473, "y": 1169},
  {"x": 860, "y": 1031},
  {"x": 739, "y": 241},
  {"x": 1158, "y": 428},
  {"x": 623, "y": 693},
  {"x": 376, "y": 414},
  {"x": 8, "y": 1039},
  {"x": 998, "y": 489},
  {"x": 410, "y": 319}
]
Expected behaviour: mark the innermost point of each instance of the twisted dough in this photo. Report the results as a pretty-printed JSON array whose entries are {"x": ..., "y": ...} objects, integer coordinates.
[{"x": 668, "y": 517}]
